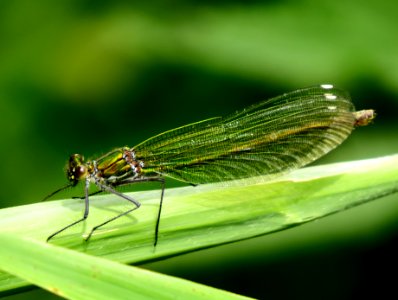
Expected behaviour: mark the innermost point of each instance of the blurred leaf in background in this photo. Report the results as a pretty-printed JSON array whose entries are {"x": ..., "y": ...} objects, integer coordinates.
[{"x": 87, "y": 76}]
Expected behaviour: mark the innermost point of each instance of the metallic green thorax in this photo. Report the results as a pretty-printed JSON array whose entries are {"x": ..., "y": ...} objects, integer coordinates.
[{"x": 110, "y": 168}]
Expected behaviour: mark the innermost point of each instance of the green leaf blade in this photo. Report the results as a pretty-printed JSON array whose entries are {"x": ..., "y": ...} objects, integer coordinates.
[
  {"x": 75, "y": 275},
  {"x": 204, "y": 216}
]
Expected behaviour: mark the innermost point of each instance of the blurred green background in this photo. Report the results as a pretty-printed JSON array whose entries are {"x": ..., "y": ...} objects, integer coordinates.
[{"x": 88, "y": 76}]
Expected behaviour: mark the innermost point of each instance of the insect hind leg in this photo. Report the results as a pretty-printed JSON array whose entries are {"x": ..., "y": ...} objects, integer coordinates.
[
  {"x": 148, "y": 179},
  {"x": 107, "y": 188}
]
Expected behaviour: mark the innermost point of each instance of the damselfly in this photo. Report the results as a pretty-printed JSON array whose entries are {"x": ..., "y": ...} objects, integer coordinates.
[{"x": 269, "y": 138}]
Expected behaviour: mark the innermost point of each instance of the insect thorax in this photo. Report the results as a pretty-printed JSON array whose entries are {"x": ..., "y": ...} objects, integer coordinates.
[{"x": 114, "y": 166}]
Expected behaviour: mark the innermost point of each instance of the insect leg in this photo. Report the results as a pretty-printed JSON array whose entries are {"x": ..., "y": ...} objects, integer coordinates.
[
  {"x": 91, "y": 194},
  {"x": 111, "y": 190},
  {"x": 146, "y": 179},
  {"x": 86, "y": 211}
]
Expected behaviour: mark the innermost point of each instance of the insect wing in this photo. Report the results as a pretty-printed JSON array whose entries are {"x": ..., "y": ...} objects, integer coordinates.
[{"x": 271, "y": 137}]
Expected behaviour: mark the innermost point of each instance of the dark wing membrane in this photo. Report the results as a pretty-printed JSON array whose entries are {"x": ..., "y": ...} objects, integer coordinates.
[{"x": 271, "y": 137}]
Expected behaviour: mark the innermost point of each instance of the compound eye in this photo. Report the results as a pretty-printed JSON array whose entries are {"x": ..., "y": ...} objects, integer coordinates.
[
  {"x": 76, "y": 169},
  {"x": 80, "y": 172},
  {"x": 76, "y": 159}
]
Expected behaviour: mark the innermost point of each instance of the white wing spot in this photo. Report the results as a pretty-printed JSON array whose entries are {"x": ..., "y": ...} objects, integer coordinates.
[
  {"x": 330, "y": 96},
  {"x": 327, "y": 86}
]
